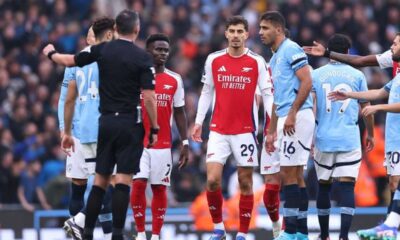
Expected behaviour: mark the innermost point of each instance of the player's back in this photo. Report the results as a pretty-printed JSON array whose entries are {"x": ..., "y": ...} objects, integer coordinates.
[
  {"x": 87, "y": 82},
  {"x": 392, "y": 126},
  {"x": 337, "y": 122}
]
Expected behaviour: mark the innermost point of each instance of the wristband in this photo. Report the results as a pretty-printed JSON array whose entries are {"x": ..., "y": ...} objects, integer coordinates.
[
  {"x": 185, "y": 142},
  {"x": 154, "y": 131},
  {"x": 51, "y": 53},
  {"x": 327, "y": 53}
]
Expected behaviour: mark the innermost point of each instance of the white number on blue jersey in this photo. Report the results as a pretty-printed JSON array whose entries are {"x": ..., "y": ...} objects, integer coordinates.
[
  {"x": 342, "y": 86},
  {"x": 91, "y": 89}
]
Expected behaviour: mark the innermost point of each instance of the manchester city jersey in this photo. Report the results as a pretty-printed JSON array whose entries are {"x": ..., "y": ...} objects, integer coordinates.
[
  {"x": 289, "y": 58},
  {"x": 337, "y": 122},
  {"x": 392, "y": 127}
]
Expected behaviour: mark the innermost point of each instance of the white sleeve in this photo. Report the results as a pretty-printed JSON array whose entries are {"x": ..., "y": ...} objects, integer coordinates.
[
  {"x": 385, "y": 59},
  {"x": 179, "y": 96},
  {"x": 207, "y": 77},
  {"x": 206, "y": 97},
  {"x": 264, "y": 78},
  {"x": 268, "y": 100}
]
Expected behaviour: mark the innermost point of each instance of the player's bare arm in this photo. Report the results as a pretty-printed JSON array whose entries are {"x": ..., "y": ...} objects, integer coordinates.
[
  {"x": 304, "y": 76},
  {"x": 371, "y": 110},
  {"x": 369, "y": 123},
  {"x": 319, "y": 50},
  {"x": 149, "y": 100},
  {"x": 67, "y": 141},
  {"x": 181, "y": 123},
  {"x": 63, "y": 59},
  {"x": 370, "y": 95}
]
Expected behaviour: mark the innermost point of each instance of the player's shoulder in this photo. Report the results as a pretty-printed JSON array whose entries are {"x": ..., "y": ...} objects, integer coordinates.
[
  {"x": 256, "y": 56},
  {"x": 173, "y": 74},
  {"x": 212, "y": 56}
]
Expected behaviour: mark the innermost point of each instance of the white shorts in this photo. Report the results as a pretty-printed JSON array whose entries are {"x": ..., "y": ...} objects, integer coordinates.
[
  {"x": 269, "y": 164},
  {"x": 295, "y": 150},
  {"x": 337, "y": 164},
  {"x": 392, "y": 163},
  {"x": 242, "y": 146},
  {"x": 89, "y": 152},
  {"x": 76, "y": 166},
  {"x": 156, "y": 166}
]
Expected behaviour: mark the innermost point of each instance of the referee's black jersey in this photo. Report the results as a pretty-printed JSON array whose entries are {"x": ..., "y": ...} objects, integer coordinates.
[{"x": 124, "y": 69}]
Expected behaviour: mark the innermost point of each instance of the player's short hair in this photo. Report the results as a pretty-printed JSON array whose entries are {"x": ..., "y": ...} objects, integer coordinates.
[
  {"x": 235, "y": 20},
  {"x": 339, "y": 43},
  {"x": 156, "y": 37},
  {"x": 275, "y": 17},
  {"x": 101, "y": 25},
  {"x": 127, "y": 22},
  {"x": 287, "y": 33}
]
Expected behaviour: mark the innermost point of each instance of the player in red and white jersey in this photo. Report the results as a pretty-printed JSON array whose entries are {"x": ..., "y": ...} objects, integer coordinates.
[
  {"x": 156, "y": 162},
  {"x": 232, "y": 75},
  {"x": 383, "y": 60}
]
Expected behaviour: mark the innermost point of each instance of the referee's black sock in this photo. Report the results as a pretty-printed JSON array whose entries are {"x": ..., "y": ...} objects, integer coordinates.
[
  {"x": 93, "y": 208},
  {"x": 120, "y": 201}
]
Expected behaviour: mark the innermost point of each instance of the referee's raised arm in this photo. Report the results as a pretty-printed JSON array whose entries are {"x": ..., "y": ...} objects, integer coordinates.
[{"x": 124, "y": 71}]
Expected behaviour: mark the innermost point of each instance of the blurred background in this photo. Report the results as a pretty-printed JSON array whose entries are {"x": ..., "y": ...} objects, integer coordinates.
[{"x": 32, "y": 165}]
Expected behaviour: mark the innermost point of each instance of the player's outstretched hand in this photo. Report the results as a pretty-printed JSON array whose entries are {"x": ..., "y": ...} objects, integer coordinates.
[
  {"x": 196, "y": 133},
  {"x": 48, "y": 48},
  {"x": 184, "y": 157},
  {"x": 289, "y": 125},
  {"x": 369, "y": 110},
  {"x": 67, "y": 144},
  {"x": 337, "y": 96},
  {"x": 316, "y": 50},
  {"x": 370, "y": 143},
  {"x": 269, "y": 142}
]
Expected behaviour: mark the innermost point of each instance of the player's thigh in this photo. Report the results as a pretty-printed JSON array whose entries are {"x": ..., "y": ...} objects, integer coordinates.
[
  {"x": 89, "y": 152},
  {"x": 269, "y": 163},
  {"x": 144, "y": 165},
  {"x": 75, "y": 164},
  {"x": 160, "y": 166},
  {"x": 347, "y": 164},
  {"x": 295, "y": 150},
  {"x": 218, "y": 148},
  {"x": 244, "y": 149}
]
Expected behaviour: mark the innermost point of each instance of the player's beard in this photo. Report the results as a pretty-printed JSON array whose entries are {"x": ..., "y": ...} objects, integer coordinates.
[{"x": 396, "y": 58}]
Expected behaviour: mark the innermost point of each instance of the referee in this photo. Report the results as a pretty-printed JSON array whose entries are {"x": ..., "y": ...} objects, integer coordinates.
[{"x": 124, "y": 70}]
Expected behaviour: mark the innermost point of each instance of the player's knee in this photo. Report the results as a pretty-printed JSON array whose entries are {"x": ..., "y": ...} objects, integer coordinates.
[
  {"x": 213, "y": 183},
  {"x": 246, "y": 186},
  {"x": 393, "y": 184}
]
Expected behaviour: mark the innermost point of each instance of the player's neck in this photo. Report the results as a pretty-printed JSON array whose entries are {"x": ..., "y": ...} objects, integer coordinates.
[
  {"x": 159, "y": 68},
  {"x": 129, "y": 37},
  {"x": 236, "y": 52},
  {"x": 278, "y": 42}
]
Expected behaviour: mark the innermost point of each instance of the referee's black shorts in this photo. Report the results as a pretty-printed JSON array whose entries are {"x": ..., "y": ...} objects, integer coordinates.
[{"x": 120, "y": 142}]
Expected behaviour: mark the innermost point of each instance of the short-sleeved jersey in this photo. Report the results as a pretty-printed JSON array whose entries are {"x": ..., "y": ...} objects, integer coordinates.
[
  {"x": 87, "y": 82},
  {"x": 169, "y": 93},
  {"x": 337, "y": 122},
  {"x": 235, "y": 80},
  {"x": 69, "y": 74},
  {"x": 392, "y": 126},
  {"x": 284, "y": 63},
  {"x": 385, "y": 61}
]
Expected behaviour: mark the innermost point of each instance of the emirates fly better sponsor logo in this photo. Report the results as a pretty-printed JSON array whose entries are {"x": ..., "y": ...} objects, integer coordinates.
[{"x": 233, "y": 81}]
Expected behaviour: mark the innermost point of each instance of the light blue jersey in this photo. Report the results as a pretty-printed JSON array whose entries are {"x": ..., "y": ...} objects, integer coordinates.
[
  {"x": 289, "y": 58},
  {"x": 87, "y": 82},
  {"x": 392, "y": 126},
  {"x": 69, "y": 74},
  {"x": 337, "y": 122}
]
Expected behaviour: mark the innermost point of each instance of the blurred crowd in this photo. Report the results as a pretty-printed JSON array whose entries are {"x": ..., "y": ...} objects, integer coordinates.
[{"x": 31, "y": 163}]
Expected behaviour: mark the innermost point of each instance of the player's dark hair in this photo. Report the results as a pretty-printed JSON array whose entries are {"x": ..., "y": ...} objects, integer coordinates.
[
  {"x": 287, "y": 33},
  {"x": 235, "y": 20},
  {"x": 127, "y": 21},
  {"x": 101, "y": 25},
  {"x": 275, "y": 18},
  {"x": 156, "y": 37},
  {"x": 339, "y": 43}
]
